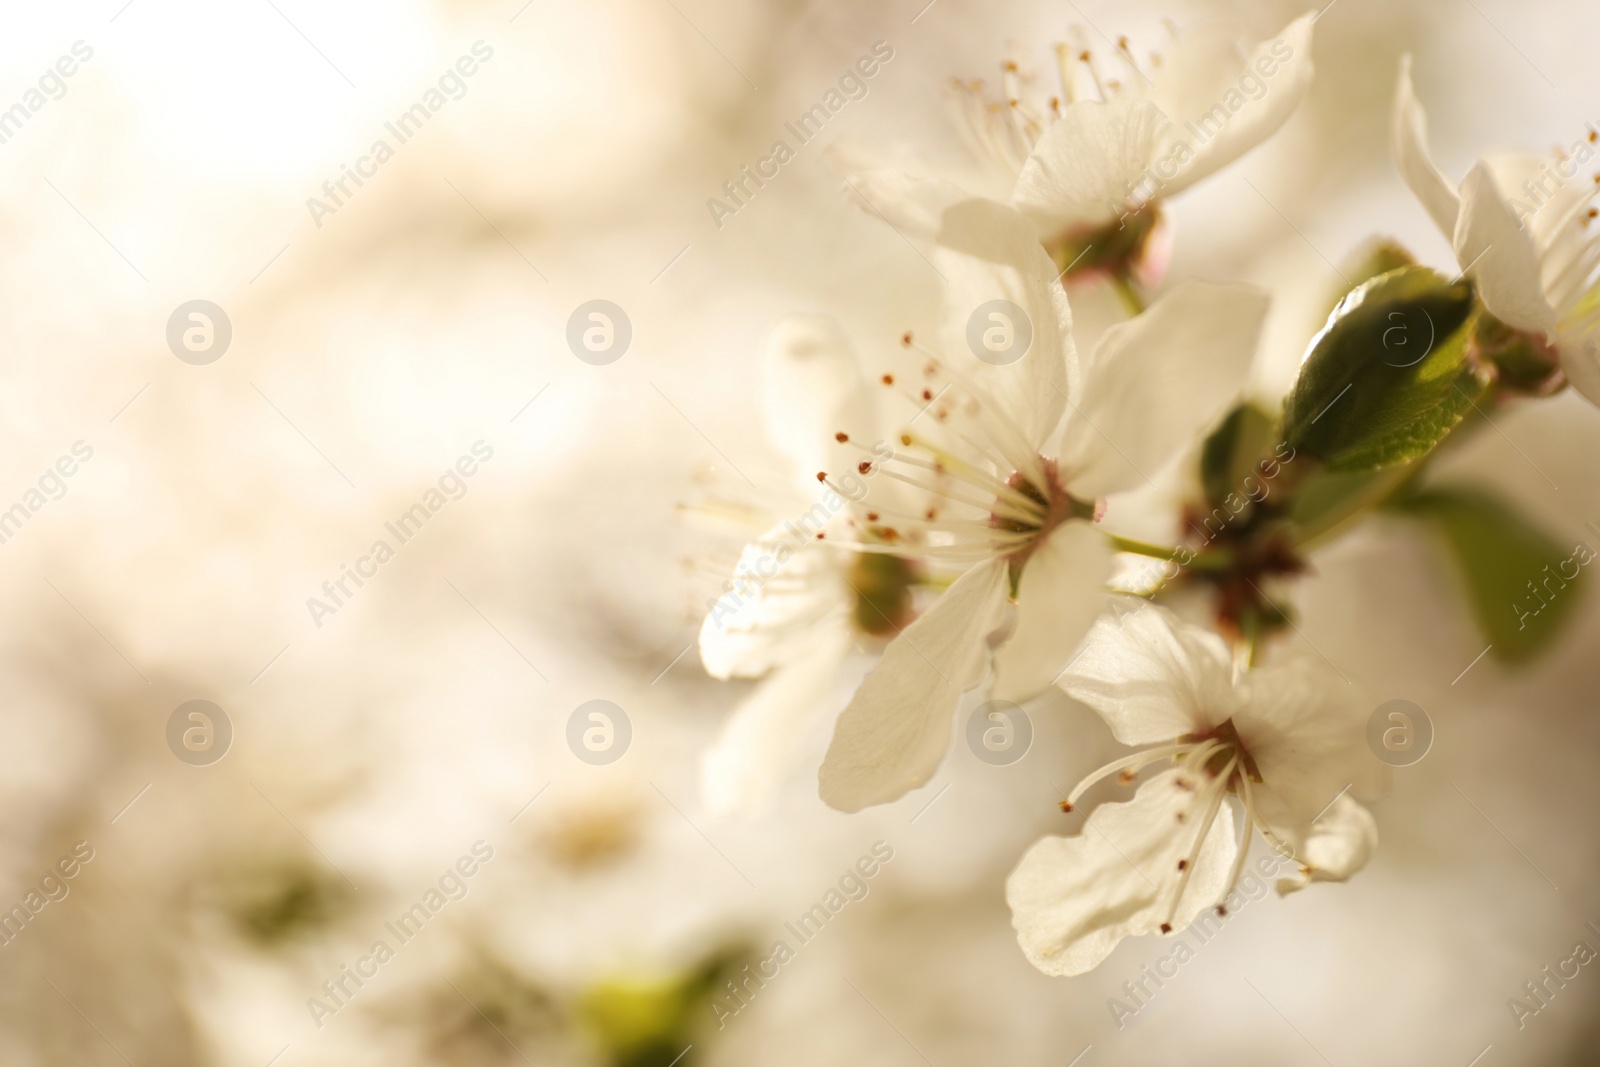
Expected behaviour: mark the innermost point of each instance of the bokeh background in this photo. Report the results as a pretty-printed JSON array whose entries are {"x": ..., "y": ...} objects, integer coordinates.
[{"x": 429, "y": 713}]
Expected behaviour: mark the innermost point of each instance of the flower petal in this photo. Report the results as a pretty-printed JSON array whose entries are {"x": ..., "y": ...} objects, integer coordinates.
[
  {"x": 1200, "y": 64},
  {"x": 1409, "y": 136},
  {"x": 1151, "y": 676},
  {"x": 1305, "y": 727},
  {"x": 1580, "y": 361},
  {"x": 1061, "y": 593},
  {"x": 893, "y": 735},
  {"x": 783, "y": 591},
  {"x": 811, "y": 389},
  {"x": 912, "y": 202},
  {"x": 1073, "y": 898},
  {"x": 744, "y": 770},
  {"x": 1547, "y": 213},
  {"x": 1155, "y": 381},
  {"x": 1499, "y": 253},
  {"x": 1084, "y": 167},
  {"x": 1232, "y": 121},
  {"x": 1337, "y": 847},
  {"x": 989, "y": 252}
]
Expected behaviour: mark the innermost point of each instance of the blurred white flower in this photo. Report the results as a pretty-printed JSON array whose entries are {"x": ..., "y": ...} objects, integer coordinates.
[
  {"x": 1020, "y": 522},
  {"x": 1522, "y": 230},
  {"x": 1089, "y": 167},
  {"x": 797, "y": 604},
  {"x": 1286, "y": 740}
]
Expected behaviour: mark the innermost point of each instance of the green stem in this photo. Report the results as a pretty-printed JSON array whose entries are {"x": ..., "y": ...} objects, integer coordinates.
[
  {"x": 1212, "y": 560},
  {"x": 1141, "y": 548},
  {"x": 1217, "y": 559},
  {"x": 1251, "y": 626},
  {"x": 1128, "y": 294}
]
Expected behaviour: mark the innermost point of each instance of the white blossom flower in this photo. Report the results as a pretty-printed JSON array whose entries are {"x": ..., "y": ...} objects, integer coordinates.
[
  {"x": 1089, "y": 167},
  {"x": 1285, "y": 742},
  {"x": 797, "y": 606},
  {"x": 1523, "y": 230},
  {"x": 1015, "y": 501}
]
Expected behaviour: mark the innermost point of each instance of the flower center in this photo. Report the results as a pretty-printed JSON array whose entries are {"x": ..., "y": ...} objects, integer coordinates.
[
  {"x": 1124, "y": 248},
  {"x": 960, "y": 508},
  {"x": 1051, "y": 501},
  {"x": 1003, "y": 127},
  {"x": 1523, "y": 362},
  {"x": 1229, "y": 748},
  {"x": 882, "y": 586},
  {"x": 1053, "y": 505}
]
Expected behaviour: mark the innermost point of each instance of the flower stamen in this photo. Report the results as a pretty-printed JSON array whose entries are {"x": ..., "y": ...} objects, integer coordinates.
[
  {"x": 1210, "y": 766},
  {"x": 1213, "y": 797},
  {"x": 1135, "y": 762}
]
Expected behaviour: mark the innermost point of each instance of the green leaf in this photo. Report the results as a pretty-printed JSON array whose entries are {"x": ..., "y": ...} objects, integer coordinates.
[
  {"x": 1231, "y": 451},
  {"x": 646, "y": 1019},
  {"x": 1379, "y": 255},
  {"x": 1388, "y": 376},
  {"x": 1328, "y": 498},
  {"x": 1523, "y": 585}
]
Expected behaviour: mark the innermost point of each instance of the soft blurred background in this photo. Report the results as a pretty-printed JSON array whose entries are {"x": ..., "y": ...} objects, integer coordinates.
[{"x": 426, "y": 719}]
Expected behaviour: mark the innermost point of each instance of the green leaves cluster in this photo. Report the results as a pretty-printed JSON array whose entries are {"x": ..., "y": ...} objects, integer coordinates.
[{"x": 1402, "y": 361}]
